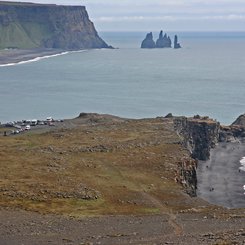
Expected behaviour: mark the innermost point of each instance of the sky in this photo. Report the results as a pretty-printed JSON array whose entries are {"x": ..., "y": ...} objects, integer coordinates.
[{"x": 169, "y": 15}]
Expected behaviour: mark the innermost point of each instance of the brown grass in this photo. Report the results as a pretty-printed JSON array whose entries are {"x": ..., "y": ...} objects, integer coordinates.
[{"x": 92, "y": 169}]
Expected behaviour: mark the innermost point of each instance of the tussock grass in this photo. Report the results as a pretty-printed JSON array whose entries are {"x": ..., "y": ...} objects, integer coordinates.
[{"x": 113, "y": 163}]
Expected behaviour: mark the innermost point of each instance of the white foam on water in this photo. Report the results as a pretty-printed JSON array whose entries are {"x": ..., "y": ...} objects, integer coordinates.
[
  {"x": 41, "y": 58},
  {"x": 242, "y": 161}
]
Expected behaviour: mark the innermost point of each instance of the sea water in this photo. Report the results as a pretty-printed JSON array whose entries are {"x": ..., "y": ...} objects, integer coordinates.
[{"x": 205, "y": 77}]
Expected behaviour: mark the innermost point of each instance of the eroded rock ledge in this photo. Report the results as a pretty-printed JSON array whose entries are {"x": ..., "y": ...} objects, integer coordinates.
[{"x": 199, "y": 135}]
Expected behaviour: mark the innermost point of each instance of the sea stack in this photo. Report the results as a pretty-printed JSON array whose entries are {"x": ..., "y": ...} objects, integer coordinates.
[
  {"x": 176, "y": 44},
  {"x": 148, "y": 42},
  {"x": 163, "y": 41}
]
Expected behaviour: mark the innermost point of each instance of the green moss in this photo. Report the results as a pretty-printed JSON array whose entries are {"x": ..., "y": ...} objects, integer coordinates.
[
  {"x": 14, "y": 36},
  {"x": 23, "y": 35}
]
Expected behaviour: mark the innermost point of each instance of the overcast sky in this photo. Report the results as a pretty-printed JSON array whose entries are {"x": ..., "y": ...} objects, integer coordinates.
[{"x": 169, "y": 15}]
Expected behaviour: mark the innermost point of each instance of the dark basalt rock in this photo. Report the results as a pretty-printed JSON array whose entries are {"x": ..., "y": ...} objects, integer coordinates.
[
  {"x": 187, "y": 175},
  {"x": 148, "y": 42},
  {"x": 199, "y": 135},
  {"x": 27, "y": 25},
  {"x": 176, "y": 44},
  {"x": 240, "y": 121},
  {"x": 163, "y": 41},
  {"x": 169, "y": 115}
]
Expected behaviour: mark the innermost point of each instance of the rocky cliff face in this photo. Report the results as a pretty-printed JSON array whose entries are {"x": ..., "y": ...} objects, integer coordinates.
[
  {"x": 234, "y": 132},
  {"x": 176, "y": 44},
  {"x": 187, "y": 175},
  {"x": 148, "y": 42},
  {"x": 199, "y": 135},
  {"x": 240, "y": 121},
  {"x": 26, "y": 25},
  {"x": 163, "y": 41}
]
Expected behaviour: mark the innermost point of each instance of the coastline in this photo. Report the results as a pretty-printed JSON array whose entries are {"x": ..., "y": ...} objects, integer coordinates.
[
  {"x": 110, "y": 172},
  {"x": 220, "y": 181},
  {"x": 13, "y": 57}
]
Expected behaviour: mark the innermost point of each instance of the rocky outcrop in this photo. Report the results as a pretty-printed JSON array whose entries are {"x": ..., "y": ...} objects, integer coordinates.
[
  {"x": 199, "y": 135},
  {"x": 240, "y": 121},
  {"x": 27, "y": 25},
  {"x": 163, "y": 41},
  {"x": 187, "y": 176},
  {"x": 234, "y": 132},
  {"x": 176, "y": 44},
  {"x": 148, "y": 42}
]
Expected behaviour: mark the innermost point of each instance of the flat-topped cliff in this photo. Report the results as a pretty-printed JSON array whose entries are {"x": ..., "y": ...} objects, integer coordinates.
[{"x": 28, "y": 25}]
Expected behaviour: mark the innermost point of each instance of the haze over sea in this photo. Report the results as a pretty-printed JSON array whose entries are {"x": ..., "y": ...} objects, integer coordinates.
[{"x": 205, "y": 77}]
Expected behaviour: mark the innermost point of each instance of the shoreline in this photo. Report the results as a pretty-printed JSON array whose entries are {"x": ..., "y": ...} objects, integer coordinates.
[
  {"x": 221, "y": 174},
  {"x": 12, "y": 57}
]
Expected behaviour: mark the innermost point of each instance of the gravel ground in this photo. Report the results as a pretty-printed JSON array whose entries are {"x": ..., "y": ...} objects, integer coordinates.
[
  {"x": 219, "y": 180},
  {"x": 22, "y": 227}
]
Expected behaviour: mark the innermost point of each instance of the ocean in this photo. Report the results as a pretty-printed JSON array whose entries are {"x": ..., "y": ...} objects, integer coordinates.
[{"x": 205, "y": 77}]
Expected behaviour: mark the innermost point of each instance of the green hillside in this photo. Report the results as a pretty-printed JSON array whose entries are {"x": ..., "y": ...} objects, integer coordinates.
[
  {"x": 27, "y": 26},
  {"x": 23, "y": 35}
]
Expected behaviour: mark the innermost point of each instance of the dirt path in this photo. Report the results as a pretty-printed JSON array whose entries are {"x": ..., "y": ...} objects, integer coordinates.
[{"x": 178, "y": 230}]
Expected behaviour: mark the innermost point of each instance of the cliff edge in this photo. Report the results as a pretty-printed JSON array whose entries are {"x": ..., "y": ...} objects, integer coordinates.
[
  {"x": 199, "y": 135},
  {"x": 29, "y": 25}
]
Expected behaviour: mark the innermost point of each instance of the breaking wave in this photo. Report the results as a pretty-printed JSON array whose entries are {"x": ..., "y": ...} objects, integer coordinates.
[
  {"x": 242, "y": 161},
  {"x": 40, "y": 58}
]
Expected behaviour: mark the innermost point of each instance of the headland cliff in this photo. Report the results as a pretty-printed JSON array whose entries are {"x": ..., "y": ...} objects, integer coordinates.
[{"x": 31, "y": 26}]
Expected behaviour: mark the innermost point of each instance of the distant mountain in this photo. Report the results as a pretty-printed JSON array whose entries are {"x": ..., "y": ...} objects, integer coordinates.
[{"x": 28, "y": 25}]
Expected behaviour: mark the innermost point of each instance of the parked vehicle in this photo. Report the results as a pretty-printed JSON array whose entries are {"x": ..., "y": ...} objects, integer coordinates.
[
  {"x": 27, "y": 127},
  {"x": 34, "y": 122},
  {"x": 49, "y": 119}
]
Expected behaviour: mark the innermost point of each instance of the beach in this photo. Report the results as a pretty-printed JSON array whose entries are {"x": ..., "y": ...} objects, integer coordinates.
[
  {"x": 18, "y": 56},
  {"x": 220, "y": 178}
]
